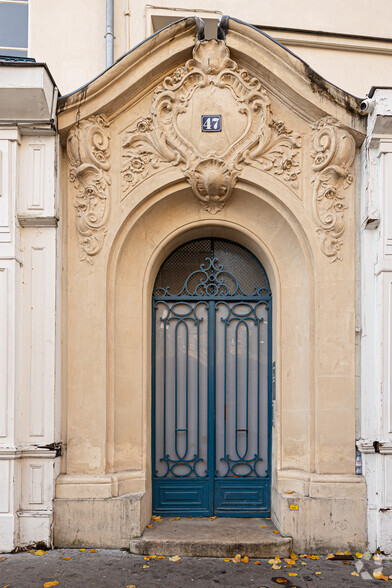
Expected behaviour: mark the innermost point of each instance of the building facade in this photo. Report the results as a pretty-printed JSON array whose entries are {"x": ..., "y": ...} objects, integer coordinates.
[{"x": 136, "y": 217}]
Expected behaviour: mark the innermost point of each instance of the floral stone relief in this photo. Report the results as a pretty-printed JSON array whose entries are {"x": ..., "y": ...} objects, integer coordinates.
[
  {"x": 88, "y": 154},
  {"x": 210, "y": 84},
  {"x": 333, "y": 151}
]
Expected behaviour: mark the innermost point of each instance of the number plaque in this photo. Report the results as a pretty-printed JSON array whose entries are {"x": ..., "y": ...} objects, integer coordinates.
[{"x": 211, "y": 123}]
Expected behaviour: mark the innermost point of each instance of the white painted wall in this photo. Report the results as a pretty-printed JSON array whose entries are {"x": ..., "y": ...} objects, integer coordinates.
[
  {"x": 376, "y": 337},
  {"x": 28, "y": 265}
]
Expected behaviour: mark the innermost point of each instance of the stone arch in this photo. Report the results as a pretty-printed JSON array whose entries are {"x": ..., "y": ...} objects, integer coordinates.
[{"x": 287, "y": 259}]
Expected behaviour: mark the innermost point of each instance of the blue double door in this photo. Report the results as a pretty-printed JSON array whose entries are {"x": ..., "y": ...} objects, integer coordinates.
[{"x": 211, "y": 395}]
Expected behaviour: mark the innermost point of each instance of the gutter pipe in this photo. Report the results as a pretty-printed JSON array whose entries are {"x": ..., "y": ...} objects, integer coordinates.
[{"x": 109, "y": 35}]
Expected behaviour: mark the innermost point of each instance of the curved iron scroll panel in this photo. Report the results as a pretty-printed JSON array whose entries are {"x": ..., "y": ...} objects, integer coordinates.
[{"x": 211, "y": 379}]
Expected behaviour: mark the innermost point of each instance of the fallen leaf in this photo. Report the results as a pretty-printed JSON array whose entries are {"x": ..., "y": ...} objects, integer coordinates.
[
  {"x": 347, "y": 563},
  {"x": 236, "y": 558},
  {"x": 318, "y": 573},
  {"x": 289, "y": 566},
  {"x": 257, "y": 563},
  {"x": 267, "y": 518},
  {"x": 153, "y": 556},
  {"x": 347, "y": 552},
  {"x": 147, "y": 557},
  {"x": 355, "y": 574},
  {"x": 145, "y": 567},
  {"x": 271, "y": 561},
  {"x": 50, "y": 584},
  {"x": 175, "y": 558},
  {"x": 3, "y": 558},
  {"x": 245, "y": 559},
  {"x": 263, "y": 526},
  {"x": 175, "y": 519},
  {"x": 161, "y": 557},
  {"x": 358, "y": 554},
  {"x": 92, "y": 551},
  {"x": 83, "y": 549},
  {"x": 189, "y": 517},
  {"x": 39, "y": 552},
  {"x": 281, "y": 580},
  {"x": 303, "y": 555},
  {"x": 380, "y": 576},
  {"x": 292, "y": 574},
  {"x": 156, "y": 518},
  {"x": 277, "y": 559},
  {"x": 227, "y": 559},
  {"x": 131, "y": 586},
  {"x": 66, "y": 558},
  {"x": 289, "y": 561},
  {"x": 150, "y": 526},
  {"x": 211, "y": 518},
  {"x": 276, "y": 531},
  {"x": 376, "y": 558},
  {"x": 276, "y": 567},
  {"x": 339, "y": 553},
  {"x": 330, "y": 556},
  {"x": 303, "y": 563},
  {"x": 292, "y": 555},
  {"x": 289, "y": 492},
  {"x": 313, "y": 557}
]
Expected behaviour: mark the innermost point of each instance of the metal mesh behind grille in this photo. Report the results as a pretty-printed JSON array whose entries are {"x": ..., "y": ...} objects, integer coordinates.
[{"x": 188, "y": 258}]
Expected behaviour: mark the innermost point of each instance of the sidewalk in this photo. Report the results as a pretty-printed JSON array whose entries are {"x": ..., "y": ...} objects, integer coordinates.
[{"x": 119, "y": 569}]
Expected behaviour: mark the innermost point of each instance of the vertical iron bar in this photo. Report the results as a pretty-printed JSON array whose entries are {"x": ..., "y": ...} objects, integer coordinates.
[
  {"x": 175, "y": 387},
  {"x": 247, "y": 386},
  {"x": 186, "y": 386},
  {"x": 164, "y": 382},
  {"x": 258, "y": 386},
  {"x": 211, "y": 404}
]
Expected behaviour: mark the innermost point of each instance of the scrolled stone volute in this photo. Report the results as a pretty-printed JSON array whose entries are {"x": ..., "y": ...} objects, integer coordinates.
[{"x": 88, "y": 150}]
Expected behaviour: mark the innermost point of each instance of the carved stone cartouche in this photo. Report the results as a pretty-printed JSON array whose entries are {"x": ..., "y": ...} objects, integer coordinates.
[
  {"x": 88, "y": 154},
  {"x": 210, "y": 83},
  {"x": 333, "y": 151}
]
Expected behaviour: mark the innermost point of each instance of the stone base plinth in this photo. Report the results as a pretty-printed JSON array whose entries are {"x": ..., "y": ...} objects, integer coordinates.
[
  {"x": 322, "y": 513},
  {"x": 100, "y": 522}
]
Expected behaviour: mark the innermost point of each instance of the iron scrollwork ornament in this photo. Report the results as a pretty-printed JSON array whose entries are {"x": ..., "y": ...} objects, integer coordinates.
[
  {"x": 88, "y": 153},
  {"x": 333, "y": 155},
  {"x": 211, "y": 168}
]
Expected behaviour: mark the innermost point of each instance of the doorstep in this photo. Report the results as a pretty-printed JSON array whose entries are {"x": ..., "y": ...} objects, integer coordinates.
[{"x": 203, "y": 537}]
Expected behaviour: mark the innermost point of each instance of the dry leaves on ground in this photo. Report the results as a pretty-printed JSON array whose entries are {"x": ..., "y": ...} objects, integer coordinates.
[
  {"x": 380, "y": 576},
  {"x": 92, "y": 551},
  {"x": 211, "y": 518},
  {"x": 3, "y": 558},
  {"x": 263, "y": 526},
  {"x": 82, "y": 549},
  {"x": 175, "y": 558},
  {"x": 66, "y": 558},
  {"x": 50, "y": 584},
  {"x": 145, "y": 567},
  {"x": 150, "y": 526},
  {"x": 39, "y": 552},
  {"x": 175, "y": 519},
  {"x": 156, "y": 518}
]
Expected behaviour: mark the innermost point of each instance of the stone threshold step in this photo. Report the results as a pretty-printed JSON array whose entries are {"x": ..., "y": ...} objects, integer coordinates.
[{"x": 222, "y": 537}]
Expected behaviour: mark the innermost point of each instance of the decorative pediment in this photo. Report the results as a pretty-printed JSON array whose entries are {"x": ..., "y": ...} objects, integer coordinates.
[{"x": 214, "y": 86}]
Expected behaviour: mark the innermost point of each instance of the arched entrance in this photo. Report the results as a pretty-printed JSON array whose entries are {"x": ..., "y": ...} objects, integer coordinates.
[{"x": 211, "y": 382}]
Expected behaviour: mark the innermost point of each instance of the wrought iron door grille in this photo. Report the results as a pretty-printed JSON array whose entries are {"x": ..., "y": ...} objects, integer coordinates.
[{"x": 211, "y": 382}]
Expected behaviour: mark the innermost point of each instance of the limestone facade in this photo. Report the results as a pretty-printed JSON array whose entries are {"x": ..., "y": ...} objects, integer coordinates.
[{"x": 138, "y": 180}]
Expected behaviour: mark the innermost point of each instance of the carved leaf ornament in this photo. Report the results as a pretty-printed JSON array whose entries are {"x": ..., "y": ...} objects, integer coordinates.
[
  {"x": 211, "y": 83},
  {"x": 333, "y": 155},
  {"x": 88, "y": 153}
]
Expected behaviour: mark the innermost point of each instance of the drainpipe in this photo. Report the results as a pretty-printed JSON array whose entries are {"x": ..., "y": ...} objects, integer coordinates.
[{"x": 109, "y": 32}]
